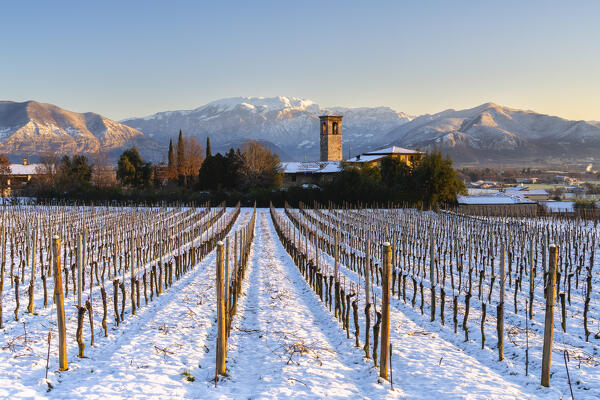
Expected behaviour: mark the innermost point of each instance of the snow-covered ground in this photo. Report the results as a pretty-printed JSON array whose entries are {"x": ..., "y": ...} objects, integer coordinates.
[
  {"x": 284, "y": 343},
  {"x": 583, "y": 362}
]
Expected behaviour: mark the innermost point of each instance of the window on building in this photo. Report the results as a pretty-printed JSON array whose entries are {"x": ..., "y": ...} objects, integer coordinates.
[
  {"x": 334, "y": 128},
  {"x": 293, "y": 177},
  {"x": 324, "y": 128}
]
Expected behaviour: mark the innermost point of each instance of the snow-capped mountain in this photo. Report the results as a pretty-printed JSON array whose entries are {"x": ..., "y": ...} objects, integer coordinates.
[
  {"x": 31, "y": 128},
  {"x": 491, "y": 132},
  {"x": 289, "y": 124}
]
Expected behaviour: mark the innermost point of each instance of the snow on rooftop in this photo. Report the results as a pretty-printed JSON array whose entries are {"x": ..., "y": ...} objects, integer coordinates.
[
  {"x": 499, "y": 199},
  {"x": 481, "y": 192},
  {"x": 311, "y": 167},
  {"x": 392, "y": 150},
  {"x": 20, "y": 169},
  {"x": 365, "y": 158},
  {"x": 522, "y": 191}
]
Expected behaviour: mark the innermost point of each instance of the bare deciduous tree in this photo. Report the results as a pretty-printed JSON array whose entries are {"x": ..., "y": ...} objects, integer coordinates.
[
  {"x": 193, "y": 156},
  {"x": 47, "y": 172},
  {"x": 104, "y": 174},
  {"x": 261, "y": 168},
  {"x": 4, "y": 175}
]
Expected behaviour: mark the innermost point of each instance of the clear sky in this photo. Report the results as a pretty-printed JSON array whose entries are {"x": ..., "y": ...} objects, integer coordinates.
[{"x": 134, "y": 58}]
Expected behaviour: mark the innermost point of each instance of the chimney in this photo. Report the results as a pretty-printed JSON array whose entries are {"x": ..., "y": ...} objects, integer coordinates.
[{"x": 24, "y": 161}]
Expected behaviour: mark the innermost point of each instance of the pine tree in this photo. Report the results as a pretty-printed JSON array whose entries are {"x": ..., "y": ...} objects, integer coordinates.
[
  {"x": 171, "y": 168},
  {"x": 180, "y": 158},
  {"x": 208, "y": 149}
]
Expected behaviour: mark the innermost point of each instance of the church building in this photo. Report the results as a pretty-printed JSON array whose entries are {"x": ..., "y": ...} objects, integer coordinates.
[{"x": 313, "y": 174}]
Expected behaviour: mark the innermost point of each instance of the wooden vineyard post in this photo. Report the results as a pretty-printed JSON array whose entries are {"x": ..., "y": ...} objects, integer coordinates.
[
  {"x": 531, "y": 280},
  {"x": 2, "y": 267},
  {"x": 160, "y": 262},
  {"x": 60, "y": 304},
  {"x": 500, "y": 310},
  {"x": 221, "y": 351},
  {"x": 385, "y": 312},
  {"x": 336, "y": 256},
  {"x": 432, "y": 272},
  {"x": 32, "y": 281},
  {"x": 549, "y": 321},
  {"x": 226, "y": 285},
  {"x": 132, "y": 272},
  {"x": 368, "y": 297},
  {"x": 79, "y": 268},
  {"x": 80, "y": 309}
]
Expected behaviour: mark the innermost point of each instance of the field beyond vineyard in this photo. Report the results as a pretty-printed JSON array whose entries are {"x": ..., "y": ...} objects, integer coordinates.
[{"x": 230, "y": 302}]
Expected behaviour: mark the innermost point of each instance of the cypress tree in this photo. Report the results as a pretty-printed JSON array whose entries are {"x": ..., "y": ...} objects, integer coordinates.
[
  {"x": 171, "y": 167},
  {"x": 180, "y": 157},
  {"x": 208, "y": 149}
]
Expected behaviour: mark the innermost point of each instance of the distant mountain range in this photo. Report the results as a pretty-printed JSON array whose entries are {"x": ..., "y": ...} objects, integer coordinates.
[
  {"x": 289, "y": 126},
  {"x": 30, "y": 129},
  {"x": 492, "y": 133}
]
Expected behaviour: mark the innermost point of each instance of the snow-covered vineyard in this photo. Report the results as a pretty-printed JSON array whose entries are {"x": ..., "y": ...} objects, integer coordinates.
[{"x": 216, "y": 302}]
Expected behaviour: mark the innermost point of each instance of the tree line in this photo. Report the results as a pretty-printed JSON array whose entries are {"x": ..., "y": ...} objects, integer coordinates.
[
  {"x": 250, "y": 173},
  {"x": 427, "y": 184},
  {"x": 191, "y": 173}
]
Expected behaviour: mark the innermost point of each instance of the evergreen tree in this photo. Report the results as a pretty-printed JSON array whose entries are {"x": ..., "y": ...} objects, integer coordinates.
[
  {"x": 132, "y": 170},
  {"x": 180, "y": 159},
  {"x": 213, "y": 173},
  {"x": 74, "y": 174},
  {"x": 234, "y": 164},
  {"x": 436, "y": 180},
  {"x": 208, "y": 149},
  {"x": 76, "y": 170},
  {"x": 171, "y": 173}
]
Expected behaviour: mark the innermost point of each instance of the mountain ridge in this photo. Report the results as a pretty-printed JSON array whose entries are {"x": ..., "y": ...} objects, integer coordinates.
[
  {"x": 33, "y": 128},
  {"x": 291, "y": 123},
  {"x": 487, "y": 133},
  {"x": 499, "y": 134}
]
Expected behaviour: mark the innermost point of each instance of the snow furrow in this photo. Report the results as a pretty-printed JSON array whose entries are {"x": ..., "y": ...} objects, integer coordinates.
[
  {"x": 152, "y": 354},
  {"x": 284, "y": 342},
  {"x": 428, "y": 364}
]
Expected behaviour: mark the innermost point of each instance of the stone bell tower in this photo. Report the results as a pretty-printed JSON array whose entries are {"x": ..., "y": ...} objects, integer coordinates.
[{"x": 331, "y": 138}]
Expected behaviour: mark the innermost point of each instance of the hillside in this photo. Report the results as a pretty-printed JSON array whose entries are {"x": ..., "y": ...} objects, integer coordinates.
[
  {"x": 492, "y": 133},
  {"x": 31, "y": 129}
]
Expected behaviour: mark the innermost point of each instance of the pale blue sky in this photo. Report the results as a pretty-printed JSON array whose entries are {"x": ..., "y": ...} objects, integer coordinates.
[{"x": 134, "y": 58}]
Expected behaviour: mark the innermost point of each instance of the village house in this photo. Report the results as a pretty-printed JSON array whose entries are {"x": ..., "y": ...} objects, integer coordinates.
[
  {"x": 530, "y": 194},
  {"x": 496, "y": 204},
  {"x": 374, "y": 158},
  {"x": 20, "y": 175}
]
